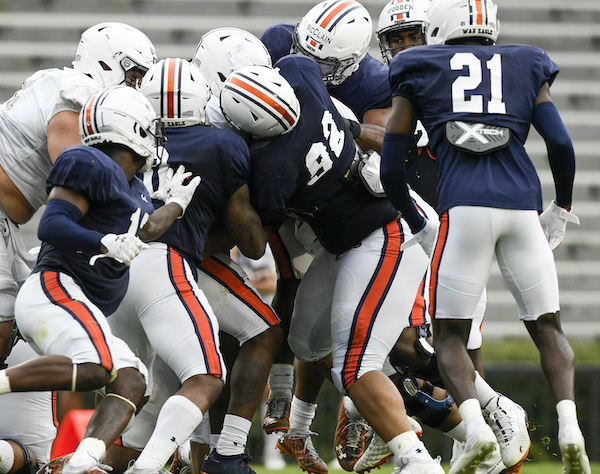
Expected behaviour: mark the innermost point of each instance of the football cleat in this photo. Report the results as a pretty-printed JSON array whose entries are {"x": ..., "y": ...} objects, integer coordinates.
[
  {"x": 509, "y": 423},
  {"x": 492, "y": 465},
  {"x": 301, "y": 448},
  {"x": 415, "y": 459},
  {"x": 277, "y": 417},
  {"x": 216, "y": 463},
  {"x": 349, "y": 440},
  {"x": 61, "y": 465},
  {"x": 378, "y": 452},
  {"x": 572, "y": 448},
  {"x": 479, "y": 447}
]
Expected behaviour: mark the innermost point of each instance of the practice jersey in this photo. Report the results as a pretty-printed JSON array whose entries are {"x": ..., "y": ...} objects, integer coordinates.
[
  {"x": 303, "y": 171},
  {"x": 494, "y": 85},
  {"x": 367, "y": 88},
  {"x": 116, "y": 206},
  {"x": 222, "y": 160},
  {"x": 24, "y": 120}
]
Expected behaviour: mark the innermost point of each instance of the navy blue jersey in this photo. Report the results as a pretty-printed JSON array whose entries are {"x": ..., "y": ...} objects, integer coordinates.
[
  {"x": 368, "y": 88},
  {"x": 495, "y": 85},
  {"x": 116, "y": 207},
  {"x": 222, "y": 160},
  {"x": 303, "y": 171}
]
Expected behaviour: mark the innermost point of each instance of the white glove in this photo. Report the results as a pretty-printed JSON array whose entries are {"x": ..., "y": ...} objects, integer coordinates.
[
  {"x": 172, "y": 189},
  {"x": 554, "y": 222},
  {"x": 122, "y": 247},
  {"x": 426, "y": 237}
]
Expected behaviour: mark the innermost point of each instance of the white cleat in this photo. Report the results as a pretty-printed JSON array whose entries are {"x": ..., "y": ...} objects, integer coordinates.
[
  {"x": 378, "y": 452},
  {"x": 415, "y": 459},
  {"x": 478, "y": 448},
  {"x": 509, "y": 423},
  {"x": 572, "y": 448}
]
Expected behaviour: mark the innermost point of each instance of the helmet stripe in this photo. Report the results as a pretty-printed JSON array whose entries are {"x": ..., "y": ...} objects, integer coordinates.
[
  {"x": 257, "y": 103},
  {"x": 88, "y": 114},
  {"x": 261, "y": 95},
  {"x": 171, "y": 87},
  {"x": 479, "y": 12},
  {"x": 335, "y": 9}
]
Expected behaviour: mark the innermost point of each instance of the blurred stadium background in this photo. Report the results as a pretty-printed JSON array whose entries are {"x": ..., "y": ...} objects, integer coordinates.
[{"x": 37, "y": 34}]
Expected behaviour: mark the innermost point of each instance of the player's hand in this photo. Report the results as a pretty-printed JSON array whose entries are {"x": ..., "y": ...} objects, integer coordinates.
[
  {"x": 172, "y": 189},
  {"x": 122, "y": 247},
  {"x": 426, "y": 237},
  {"x": 554, "y": 222}
]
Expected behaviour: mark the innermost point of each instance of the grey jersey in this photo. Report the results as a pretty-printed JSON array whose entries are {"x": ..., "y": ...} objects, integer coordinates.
[{"x": 24, "y": 122}]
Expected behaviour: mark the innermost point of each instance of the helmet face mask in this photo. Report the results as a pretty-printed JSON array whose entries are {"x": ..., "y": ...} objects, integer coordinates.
[
  {"x": 123, "y": 116},
  {"x": 336, "y": 34},
  {"x": 259, "y": 101},
  {"x": 451, "y": 21},
  {"x": 114, "y": 53},
  {"x": 400, "y": 19},
  {"x": 178, "y": 92},
  {"x": 224, "y": 50}
]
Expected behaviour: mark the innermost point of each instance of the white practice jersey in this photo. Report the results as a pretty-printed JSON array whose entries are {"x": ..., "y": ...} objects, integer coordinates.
[{"x": 24, "y": 122}]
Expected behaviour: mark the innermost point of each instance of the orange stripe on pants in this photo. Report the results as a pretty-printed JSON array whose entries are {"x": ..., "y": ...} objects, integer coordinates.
[
  {"x": 435, "y": 261},
  {"x": 236, "y": 285},
  {"x": 80, "y": 313},
  {"x": 196, "y": 311},
  {"x": 375, "y": 294}
]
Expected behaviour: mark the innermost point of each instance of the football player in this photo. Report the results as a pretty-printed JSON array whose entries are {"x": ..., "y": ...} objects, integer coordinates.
[
  {"x": 477, "y": 105},
  {"x": 108, "y": 54},
  {"x": 344, "y": 322},
  {"x": 96, "y": 209}
]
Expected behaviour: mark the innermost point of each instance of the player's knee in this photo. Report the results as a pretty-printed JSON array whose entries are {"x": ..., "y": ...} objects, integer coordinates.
[{"x": 129, "y": 383}]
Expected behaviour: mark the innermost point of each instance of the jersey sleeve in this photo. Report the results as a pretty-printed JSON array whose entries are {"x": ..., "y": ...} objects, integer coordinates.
[
  {"x": 74, "y": 91},
  {"x": 82, "y": 170},
  {"x": 544, "y": 68},
  {"x": 278, "y": 40},
  {"x": 403, "y": 75}
]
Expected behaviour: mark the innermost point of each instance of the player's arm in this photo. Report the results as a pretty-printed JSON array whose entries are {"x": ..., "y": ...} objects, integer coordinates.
[
  {"x": 369, "y": 134},
  {"x": 59, "y": 225},
  {"x": 244, "y": 224},
  {"x": 63, "y": 132},
  {"x": 398, "y": 140},
  {"x": 159, "y": 221},
  {"x": 561, "y": 156}
]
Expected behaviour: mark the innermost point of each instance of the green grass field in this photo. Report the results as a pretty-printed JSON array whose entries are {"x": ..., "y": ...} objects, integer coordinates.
[{"x": 528, "y": 468}]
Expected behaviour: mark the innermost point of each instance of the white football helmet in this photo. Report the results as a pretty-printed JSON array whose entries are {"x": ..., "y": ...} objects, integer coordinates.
[
  {"x": 178, "y": 92},
  {"x": 399, "y": 15},
  {"x": 223, "y": 50},
  {"x": 448, "y": 20},
  {"x": 336, "y": 34},
  {"x": 122, "y": 115},
  {"x": 260, "y": 101},
  {"x": 108, "y": 50}
]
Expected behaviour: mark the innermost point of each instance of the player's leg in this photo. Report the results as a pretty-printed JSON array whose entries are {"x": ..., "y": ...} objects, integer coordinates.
[
  {"x": 527, "y": 265},
  {"x": 374, "y": 283},
  {"x": 309, "y": 337},
  {"x": 182, "y": 328},
  {"x": 243, "y": 315},
  {"x": 293, "y": 245}
]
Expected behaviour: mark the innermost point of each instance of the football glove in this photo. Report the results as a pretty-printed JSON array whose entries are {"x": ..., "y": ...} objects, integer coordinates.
[
  {"x": 172, "y": 189},
  {"x": 554, "y": 222},
  {"x": 426, "y": 237},
  {"x": 122, "y": 247}
]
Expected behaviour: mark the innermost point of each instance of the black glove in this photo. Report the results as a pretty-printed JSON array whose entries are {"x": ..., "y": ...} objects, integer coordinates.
[{"x": 353, "y": 126}]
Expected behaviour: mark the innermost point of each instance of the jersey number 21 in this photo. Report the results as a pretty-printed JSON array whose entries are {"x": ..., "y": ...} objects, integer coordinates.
[{"x": 474, "y": 104}]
